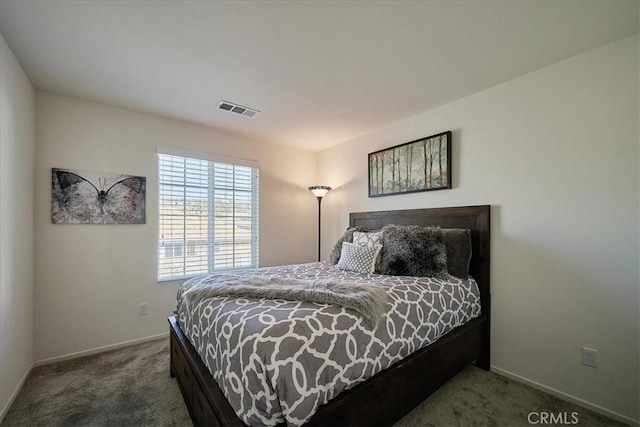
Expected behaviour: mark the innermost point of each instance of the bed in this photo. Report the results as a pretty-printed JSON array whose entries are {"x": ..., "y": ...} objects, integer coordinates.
[{"x": 401, "y": 386}]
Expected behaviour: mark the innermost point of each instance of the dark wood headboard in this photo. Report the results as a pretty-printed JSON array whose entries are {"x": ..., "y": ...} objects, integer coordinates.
[{"x": 475, "y": 218}]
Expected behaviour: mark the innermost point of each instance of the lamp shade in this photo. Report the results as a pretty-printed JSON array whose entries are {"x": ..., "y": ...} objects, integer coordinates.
[{"x": 319, "y": 190}]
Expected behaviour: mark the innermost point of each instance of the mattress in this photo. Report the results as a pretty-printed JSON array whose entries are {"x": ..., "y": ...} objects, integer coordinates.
[{"x": 277, "y": 361}]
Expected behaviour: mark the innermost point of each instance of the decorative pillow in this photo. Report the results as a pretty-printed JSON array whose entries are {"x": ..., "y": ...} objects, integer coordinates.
[
  {"x": 413, "y": 251},
  {"x": 458, "y": 244},
  {"x": 360, "y": 259},
  {"x": 367, "y": 239},
  {"x": 334, "y": 256}
]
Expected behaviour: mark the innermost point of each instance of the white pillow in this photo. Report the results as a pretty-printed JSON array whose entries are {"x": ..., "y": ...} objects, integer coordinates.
[
  {"x": 367, "y": 239},
  {"x": 360, "y": 259}
]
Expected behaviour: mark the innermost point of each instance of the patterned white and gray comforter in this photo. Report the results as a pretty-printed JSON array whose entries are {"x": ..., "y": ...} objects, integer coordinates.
[{"x": 278, "y": 361}]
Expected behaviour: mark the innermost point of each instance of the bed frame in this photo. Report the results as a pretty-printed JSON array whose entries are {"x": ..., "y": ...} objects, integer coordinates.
[{"x": 392, "y": 393}]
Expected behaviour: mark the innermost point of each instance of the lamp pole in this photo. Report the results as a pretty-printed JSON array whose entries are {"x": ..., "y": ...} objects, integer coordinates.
[
  {"x": 319, "y": 191},
  {"x": 319, "y": 222}
]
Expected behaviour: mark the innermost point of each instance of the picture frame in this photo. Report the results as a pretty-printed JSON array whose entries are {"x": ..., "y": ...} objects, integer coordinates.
[
  {"x": 88, "y": 197},
  {"x": 415, "y": 166}
]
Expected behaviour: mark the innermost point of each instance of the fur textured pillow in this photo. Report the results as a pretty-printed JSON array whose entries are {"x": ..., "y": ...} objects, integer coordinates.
[
  {"x": 413, "y": 251},
  {"x": 334, "y": 256}
]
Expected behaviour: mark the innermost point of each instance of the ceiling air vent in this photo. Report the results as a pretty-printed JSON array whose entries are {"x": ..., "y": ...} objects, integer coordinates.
[{"x": 238, "y": 109}]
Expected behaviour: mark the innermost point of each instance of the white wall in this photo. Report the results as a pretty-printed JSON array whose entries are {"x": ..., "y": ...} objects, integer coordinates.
[
  {"x": 89, "y": 279},
  {"x": 556, "y": 154},
  {"x": 17, "y": 115}
]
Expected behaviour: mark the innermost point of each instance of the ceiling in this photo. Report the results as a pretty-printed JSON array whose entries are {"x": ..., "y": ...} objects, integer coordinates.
[{"x": 321, "y": 73}]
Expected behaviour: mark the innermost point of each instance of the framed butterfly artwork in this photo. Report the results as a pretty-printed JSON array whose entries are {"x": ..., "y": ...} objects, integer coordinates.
[{"x": 82, "y": 197}]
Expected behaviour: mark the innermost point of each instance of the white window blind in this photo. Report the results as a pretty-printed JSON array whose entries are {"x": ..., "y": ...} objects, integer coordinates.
[{"x": 208, "y": 216}]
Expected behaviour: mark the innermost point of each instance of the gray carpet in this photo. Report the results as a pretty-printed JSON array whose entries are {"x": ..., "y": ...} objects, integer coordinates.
[{"x": 131, "y": 387}]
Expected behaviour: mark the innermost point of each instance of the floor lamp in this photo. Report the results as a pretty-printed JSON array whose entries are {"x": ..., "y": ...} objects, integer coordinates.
[{"x": 319, "y": 191}]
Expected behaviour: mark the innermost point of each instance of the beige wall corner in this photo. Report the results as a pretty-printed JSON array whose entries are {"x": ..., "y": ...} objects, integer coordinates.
[{"x": 17, "y": 153}]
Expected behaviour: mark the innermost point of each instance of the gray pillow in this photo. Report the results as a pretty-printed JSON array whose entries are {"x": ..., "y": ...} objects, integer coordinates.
[
  {"x": 361, "y": 259},
  {"x": 413, "y": 251},
  {"x": 334, "y": 256},
  {"x": 458, "y": 244}
]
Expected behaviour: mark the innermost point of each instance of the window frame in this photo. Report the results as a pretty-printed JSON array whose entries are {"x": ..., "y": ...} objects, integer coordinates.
[{"x": 255, "y": 209}]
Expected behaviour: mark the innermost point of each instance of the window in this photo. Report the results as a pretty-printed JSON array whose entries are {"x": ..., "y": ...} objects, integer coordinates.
[{"x": 208, "y": 214}]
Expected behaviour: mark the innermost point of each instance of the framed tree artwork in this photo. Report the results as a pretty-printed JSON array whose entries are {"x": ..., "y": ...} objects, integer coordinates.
[{"x": 420, "y": 165}]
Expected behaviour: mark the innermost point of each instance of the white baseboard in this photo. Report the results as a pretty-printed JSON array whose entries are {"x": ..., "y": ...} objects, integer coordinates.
[
  {"x": 15, "y": 393},
  {"x": 98, "y": 350},
  {"x": 564, "y": 396}
]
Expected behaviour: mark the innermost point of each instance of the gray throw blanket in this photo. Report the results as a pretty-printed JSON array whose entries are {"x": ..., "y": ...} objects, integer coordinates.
[{"x": 367, "y": 300}]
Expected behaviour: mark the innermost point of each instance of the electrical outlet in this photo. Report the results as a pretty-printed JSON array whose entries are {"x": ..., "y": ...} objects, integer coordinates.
[
  {"x": 143, "y": 308},
  {"x": 590, "y": 357}
]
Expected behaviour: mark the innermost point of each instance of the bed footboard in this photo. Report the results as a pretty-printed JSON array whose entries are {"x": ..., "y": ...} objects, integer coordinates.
[
  {"x": 401, "y": 387},
  {"x": 205, "y": 401}
]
